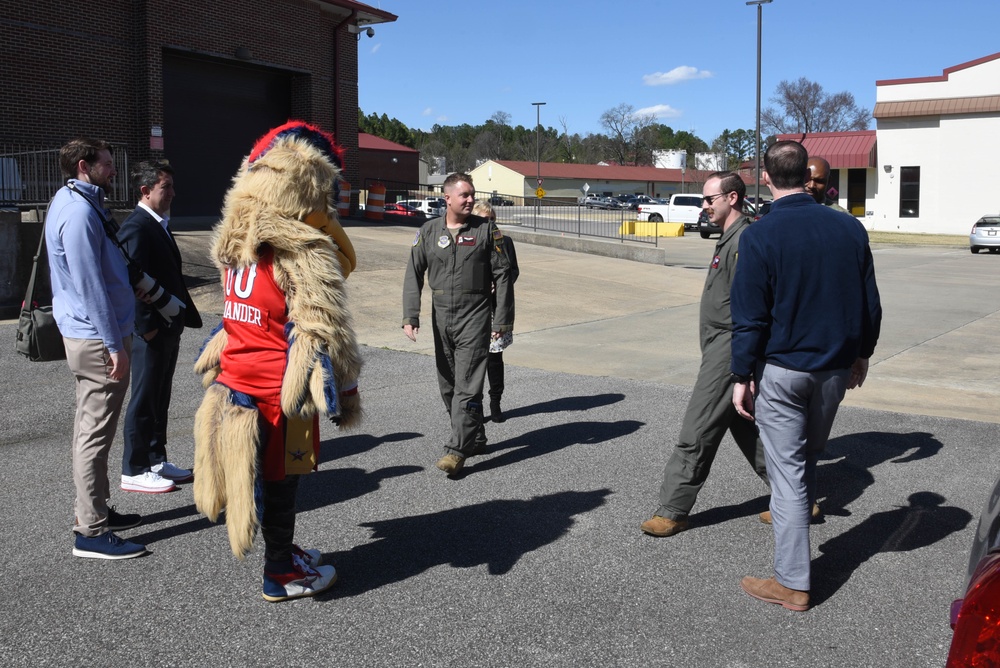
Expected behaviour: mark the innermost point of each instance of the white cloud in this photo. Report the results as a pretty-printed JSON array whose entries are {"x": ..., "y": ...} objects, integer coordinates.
[
  {"x": 441, "y": 119},
  {"x": 428, "y": 111},
  {"x": 676, "y": 75},
  {"x": 376, "y": 47},
  {"x": 660, "y": 111}
]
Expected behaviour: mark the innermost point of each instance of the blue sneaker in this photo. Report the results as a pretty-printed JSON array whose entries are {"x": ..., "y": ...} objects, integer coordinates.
[
  {"x": 303, "y": 580},
  {"x": 106, "y": 546}
]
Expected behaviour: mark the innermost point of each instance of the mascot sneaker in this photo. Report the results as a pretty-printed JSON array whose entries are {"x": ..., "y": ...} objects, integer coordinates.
[
  {"x": 303, "y": 580},
  {"x": 311, "y": 558}
]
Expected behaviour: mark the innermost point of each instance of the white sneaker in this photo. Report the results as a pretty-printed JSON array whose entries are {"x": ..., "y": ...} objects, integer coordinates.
[
  {"x": 148, "y": 482},
  {"x": 171, "y": 472},
  {"x": 311, "y": 558}
]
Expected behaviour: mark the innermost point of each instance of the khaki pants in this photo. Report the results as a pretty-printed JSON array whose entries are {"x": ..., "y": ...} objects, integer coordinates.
[{"x": 98, "y": 406}]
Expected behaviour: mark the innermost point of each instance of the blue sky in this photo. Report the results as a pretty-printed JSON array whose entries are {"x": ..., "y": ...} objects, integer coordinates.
[{"x": 691, "y": 63}]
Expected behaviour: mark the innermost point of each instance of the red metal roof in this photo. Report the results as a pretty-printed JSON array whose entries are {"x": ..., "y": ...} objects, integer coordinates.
[
  {"x": 843, "y": 150},
  {"x": 560, "y": 170},
  {"x": 367, "y": 142}
]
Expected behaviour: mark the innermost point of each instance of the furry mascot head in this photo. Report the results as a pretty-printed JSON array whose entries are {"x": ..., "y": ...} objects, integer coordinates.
[
  {"x": 290, "y": 176},
  {"x": 282, "y": 205}
]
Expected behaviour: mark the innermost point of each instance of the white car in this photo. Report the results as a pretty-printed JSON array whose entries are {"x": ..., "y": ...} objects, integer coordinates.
[
  {"x": 985, "y": 234},
  {"x": 431, "y": 206}
]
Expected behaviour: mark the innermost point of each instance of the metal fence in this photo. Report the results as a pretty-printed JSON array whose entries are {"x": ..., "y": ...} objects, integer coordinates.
[
  {"x": 30, "y": 176},
  {"x": 556, "y": 216}
]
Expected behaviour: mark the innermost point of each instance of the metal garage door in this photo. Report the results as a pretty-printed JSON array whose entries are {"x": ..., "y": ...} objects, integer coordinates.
[{"x": 213, "y": 112}]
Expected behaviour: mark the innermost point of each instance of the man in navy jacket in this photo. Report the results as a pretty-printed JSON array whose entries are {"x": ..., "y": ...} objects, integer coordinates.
[
  {"x": 806, "y": 318},
  {"x": 148, "y": 240}
]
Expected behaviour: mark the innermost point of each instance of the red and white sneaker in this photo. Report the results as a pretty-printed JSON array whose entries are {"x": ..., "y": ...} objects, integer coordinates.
[
  {"x": 312, "y": 558},
  {"x": 302, "y": 581}
]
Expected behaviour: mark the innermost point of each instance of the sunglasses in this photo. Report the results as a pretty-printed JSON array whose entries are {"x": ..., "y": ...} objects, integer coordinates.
[{"x": 708, "y": 199}]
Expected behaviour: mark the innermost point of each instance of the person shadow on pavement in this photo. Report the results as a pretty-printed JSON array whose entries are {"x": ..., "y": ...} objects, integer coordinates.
[
  {"x": 923, "y": 522},
  {"x": 405, "y": 547},
  {"x": 842, "y": 475},
  {"x": 844, "y": 470},
  {"x": 328, "y": 487},
  {"x": 580, "y": 403},
  {"x": 354, "y": 444},
  {"x": 545, "y": 441},
  {"x": 337, "y": 485}
]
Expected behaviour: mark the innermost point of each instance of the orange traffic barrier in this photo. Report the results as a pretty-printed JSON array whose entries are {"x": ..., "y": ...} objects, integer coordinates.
[
  {"x": 375, "y": 206},
  {"x": 344, "y": 201}
]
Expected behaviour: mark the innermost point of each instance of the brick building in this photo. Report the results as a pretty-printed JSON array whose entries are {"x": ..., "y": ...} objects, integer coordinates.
[{"x": 195, "y": 82}]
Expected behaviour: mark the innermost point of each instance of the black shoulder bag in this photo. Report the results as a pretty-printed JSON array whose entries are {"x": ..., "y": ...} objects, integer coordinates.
[{"x": 38, "y": 337}]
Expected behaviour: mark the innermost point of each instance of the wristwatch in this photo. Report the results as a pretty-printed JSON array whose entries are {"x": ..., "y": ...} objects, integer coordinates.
[{"x": 737, "y": 378}]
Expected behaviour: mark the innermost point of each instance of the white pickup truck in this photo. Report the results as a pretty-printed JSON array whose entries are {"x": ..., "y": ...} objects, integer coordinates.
[{"x": 680, "y": 209}]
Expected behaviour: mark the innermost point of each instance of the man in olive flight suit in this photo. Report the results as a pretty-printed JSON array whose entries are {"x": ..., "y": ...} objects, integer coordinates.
[
  {"x": 710, "y": 411},
  {"x": 463, "y": 258}
]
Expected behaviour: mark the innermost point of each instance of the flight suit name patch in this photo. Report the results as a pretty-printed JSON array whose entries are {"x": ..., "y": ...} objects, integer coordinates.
[{"x": 466, "y": 241}]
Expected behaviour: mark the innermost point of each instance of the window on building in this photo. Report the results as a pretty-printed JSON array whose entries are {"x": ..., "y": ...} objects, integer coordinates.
[{"x": 909, "y": 192}]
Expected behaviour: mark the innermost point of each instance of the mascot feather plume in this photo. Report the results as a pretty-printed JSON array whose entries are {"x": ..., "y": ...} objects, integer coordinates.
[{"x": 285, "y": 352}]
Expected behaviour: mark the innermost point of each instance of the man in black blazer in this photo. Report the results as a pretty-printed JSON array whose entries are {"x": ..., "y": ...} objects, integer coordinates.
[{"x": 148, "y": 240}]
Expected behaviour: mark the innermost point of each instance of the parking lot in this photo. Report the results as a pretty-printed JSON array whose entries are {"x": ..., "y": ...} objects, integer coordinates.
[{"x": 534, "y": 556}]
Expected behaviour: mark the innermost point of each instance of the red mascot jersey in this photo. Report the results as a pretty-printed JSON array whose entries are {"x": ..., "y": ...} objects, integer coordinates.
[
  {"x": 254, "y": 317},
  {"x": 254, "y": 361}
]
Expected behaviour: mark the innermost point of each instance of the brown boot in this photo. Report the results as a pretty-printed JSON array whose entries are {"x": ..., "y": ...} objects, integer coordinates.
[
  {"x": 663, "y": 526},
  {"x": 765, "y": 516},
  {"x": 772, "y": 591},
  {"x": 451, "y": 464}
]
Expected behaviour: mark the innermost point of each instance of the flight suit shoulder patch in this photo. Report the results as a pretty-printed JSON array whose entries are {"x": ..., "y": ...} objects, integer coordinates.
[
  {"x": 416, "y": 239},
  {"x": 497, "y": 234}
]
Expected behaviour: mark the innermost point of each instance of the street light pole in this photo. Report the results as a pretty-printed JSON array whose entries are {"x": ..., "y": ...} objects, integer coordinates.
[
  {"x": 757, "y": 156},
  {"x": 538, "y": 159}
]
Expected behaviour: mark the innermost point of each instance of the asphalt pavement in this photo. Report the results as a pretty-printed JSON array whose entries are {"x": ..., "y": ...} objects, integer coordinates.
[{"x": 533, "y": 557}]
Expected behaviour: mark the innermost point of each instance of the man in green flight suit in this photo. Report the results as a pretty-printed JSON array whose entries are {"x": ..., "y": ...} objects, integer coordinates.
[
  {"x": 463, "y": 258},
  {"x": 710, "y": 411}
]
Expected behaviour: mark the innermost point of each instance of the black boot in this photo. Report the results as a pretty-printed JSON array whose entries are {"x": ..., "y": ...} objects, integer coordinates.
[{"x": 494, "y": 371}]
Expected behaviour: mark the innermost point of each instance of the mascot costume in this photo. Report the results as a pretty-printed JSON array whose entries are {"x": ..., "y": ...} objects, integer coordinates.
[{"x": 284, "y": 354}]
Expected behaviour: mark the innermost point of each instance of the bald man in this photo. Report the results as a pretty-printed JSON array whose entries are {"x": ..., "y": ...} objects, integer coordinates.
[{"x": 817, "y": 184}]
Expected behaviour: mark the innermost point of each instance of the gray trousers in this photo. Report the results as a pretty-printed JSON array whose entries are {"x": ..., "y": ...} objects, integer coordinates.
[
  {"x": 710, "y": 413},
  {"x": 98, "y": 406},
  {"x": 795, "y": 412}
]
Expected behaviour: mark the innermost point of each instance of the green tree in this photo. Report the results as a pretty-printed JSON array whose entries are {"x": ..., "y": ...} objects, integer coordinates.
[{"x": 737, "y": 145}]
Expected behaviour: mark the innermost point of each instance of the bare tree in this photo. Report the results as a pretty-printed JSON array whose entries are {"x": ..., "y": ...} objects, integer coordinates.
[
  {"x": 501, "y": 122},
  {"x": 802, "y": 106},
  {"x": 629, "y": 134}
]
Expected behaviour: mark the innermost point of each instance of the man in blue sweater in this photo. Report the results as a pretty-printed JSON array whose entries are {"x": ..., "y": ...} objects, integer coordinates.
[
  {"x": 806, "y": 317},
  {"x": 94, "y": 306}
]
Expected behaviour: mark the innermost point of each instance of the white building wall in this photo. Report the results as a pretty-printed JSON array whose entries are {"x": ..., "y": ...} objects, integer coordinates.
[
  {"x": 982, "y": 79},
  {"x": 955, "y": 154}
]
